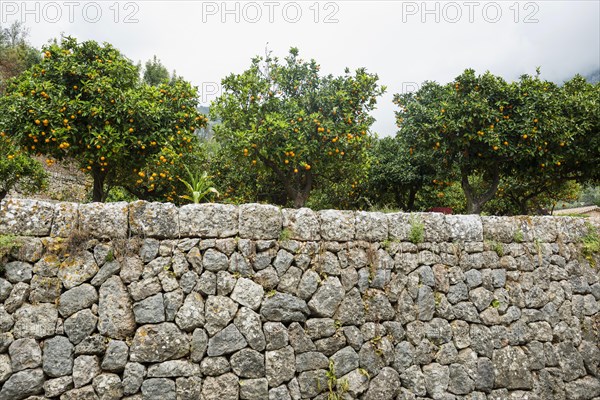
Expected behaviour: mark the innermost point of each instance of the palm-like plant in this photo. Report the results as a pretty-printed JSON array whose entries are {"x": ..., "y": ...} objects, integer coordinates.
[{"x": 199, "y": 185}]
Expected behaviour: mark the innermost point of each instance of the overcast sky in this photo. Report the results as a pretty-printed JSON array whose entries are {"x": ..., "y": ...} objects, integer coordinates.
[{"x": 404, "y": 42}]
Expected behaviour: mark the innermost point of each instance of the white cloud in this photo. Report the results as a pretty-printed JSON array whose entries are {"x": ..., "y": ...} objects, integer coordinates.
[{"x": 396, "y": 39}]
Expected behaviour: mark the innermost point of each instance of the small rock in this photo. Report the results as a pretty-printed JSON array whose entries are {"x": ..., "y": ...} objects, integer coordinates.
[
  {"x": 24, "y": 354},
  {"x": 116, "y": 356},
  {"x": 436, "y": 379},
  {"x": 94, "y": 344},
  {"x": 384, "y": 386},
  {"x": 312, "y": 383},
  {"x": 173, "y": 368},
  {"x": 328, "y": 297},
  {"x": 77, "y": 269},
  {"x": 214, "y": 366},
  {"x": 158, "y": 389},
  {"x": 151, "y": 310},
  {"x": 85, "y": 369},
  {"x": 44, "y": 289},
  {"x": 248, "y": 363},
  {"x": 23, "y": 384},
  {"x": 224, "y": 387},
  {"x": 570, "y": 361},
  {"x": 5, "y": 367},
  {"x": 311, "y": 360},
  {"x": 133, "y": 375},
  {"x": 276, "y": 335},
  {"x": 283, "y": 307},
  {"x": 460, "y": 381},
  {"x": 58, "y": 357},
  {"x": 219, "y": 311},
  {"x": 345, "y": 360},
  {"x": 109, "y": 269},
  {"x": 249, "y": 324},
  {"x": 189, "y": 388},
  {"x": 227, "y": 341},
  {"x": 254, "y": 389},
  {"x": 280, "y": 366},
  {"x": 299, "y": 340},
  {"x": 158, "y": 343},
  {"x": 108, "y": 386},
  {"x": 511, "y": 368},
  {"x": 18, "y": 271},
  {"x": 80, "y": 325},
  {"x": 413, "y": 379},
  {"x": 18, "y": 295},
  {"x": 116, "y": 318},
  {"x": 77, "y": 299},
  {"x": 83, "y": 393},
  {"x": 191, "y": 314},
  {"x": 214, "y": 261},
  {"x": 56, "y": 387}
]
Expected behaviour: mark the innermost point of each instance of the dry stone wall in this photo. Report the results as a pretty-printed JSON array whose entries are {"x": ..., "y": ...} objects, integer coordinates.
[{"x": 214, "y": 301}]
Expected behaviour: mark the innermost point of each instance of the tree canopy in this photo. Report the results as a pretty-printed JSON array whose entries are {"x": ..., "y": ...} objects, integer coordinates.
[
  {"x": 85, "y": 101},
  {"x": 486, "y": 129},
  {"x": 306, "y": 129}
]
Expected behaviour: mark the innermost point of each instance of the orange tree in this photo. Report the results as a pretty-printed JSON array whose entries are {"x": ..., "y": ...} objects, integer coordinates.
[
  {"x": 549, "y": 176},
  {"x": 17, "y": 168},
  {"x": 397, "y": 174},
  {"x": 485, "y": 129},
  {"x": 86, "y": 102},
  {"x": 308, "y": 130},
  {"x": 581, "y": 149}
]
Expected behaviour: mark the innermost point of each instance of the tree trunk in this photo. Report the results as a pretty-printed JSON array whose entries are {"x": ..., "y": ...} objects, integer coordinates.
[
  {"x": 302, "y": 195},
  {"x": 523, "y": 206},
  {"x": 412, "y": 194},
  {"x": 99, "y": 176},
  {"x": 476, "y": 202},
  {"x": 298, "y": 196},
  {"x": 3, "y": 194}
]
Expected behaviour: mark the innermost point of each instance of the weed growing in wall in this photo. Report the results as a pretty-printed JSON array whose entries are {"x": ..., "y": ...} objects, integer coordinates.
[{"x": 417, "y": 230}]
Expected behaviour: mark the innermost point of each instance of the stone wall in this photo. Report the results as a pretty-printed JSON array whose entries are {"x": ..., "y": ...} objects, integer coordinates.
[{"x": 213, "y": 301}]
